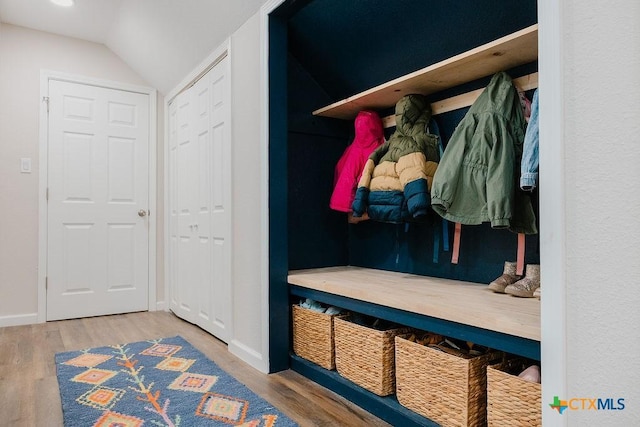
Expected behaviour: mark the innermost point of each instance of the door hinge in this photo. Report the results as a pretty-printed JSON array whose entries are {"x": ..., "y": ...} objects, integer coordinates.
[
  {"x": 46, "y": 282},
  {"x": 47, "y": 194},
  {"x": 46, "y": 99}
]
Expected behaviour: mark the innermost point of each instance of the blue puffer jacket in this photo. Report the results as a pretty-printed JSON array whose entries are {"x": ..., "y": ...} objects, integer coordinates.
[{"x": 395, "y": 182}]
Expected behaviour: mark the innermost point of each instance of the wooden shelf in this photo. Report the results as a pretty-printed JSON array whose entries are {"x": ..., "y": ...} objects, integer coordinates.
[
  {"x": 450, "y": 300},
  {"x": 507, "y": 52},
  {"x": 530, "y": 81}
]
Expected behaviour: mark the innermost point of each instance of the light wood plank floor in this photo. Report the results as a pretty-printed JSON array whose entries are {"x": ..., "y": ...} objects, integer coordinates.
[{"x": 29, "y": 393}]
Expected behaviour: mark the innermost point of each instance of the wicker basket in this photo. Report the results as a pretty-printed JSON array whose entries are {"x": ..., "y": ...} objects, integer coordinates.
[
  {"x": 313, "y": 336},
  {"x": 366, "y": 356},
  {"x": 511, "y": 400},
  {"x": 445, "y": 388}
]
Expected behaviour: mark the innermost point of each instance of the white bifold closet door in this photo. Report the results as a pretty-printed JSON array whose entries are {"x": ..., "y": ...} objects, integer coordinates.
[{"x": 199, "y": 203}]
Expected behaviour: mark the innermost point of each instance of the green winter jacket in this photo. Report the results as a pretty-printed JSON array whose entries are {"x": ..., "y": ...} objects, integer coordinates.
[{"x": 477, "y": 178}]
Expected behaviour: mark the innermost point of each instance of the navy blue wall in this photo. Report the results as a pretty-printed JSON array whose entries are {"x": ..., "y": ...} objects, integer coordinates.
[
  {"x": 351, "y": 46},
  {"x": 317, "y": 236}
]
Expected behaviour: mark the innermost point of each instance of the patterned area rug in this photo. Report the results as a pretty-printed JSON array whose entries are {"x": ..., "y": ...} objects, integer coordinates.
[{"x": 163, "y": 382}]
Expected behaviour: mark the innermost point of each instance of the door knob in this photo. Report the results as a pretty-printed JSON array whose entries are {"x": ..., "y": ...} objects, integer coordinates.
[{"x": 142, "y": 212}]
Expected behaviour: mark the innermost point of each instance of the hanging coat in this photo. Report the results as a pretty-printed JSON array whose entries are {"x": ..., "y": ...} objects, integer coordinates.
[
  {"x": 395, "y": 183},
  {"x": 477, "y": 179},
  {"x": 530, "y": 157},
  {"x": 369, "y": 135}
]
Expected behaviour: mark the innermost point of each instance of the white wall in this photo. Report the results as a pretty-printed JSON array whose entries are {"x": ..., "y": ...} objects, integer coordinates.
[
  {"x": 601, "y": 137},
  {"x": 23, "y": 53},
  {"x": 249, "y": 308}
]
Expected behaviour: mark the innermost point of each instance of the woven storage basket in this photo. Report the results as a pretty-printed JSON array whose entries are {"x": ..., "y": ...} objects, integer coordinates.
[
  {"x": 313, "y": 336},
  {"x": 445, "y": 388},
  {"x": 511, "y": 400},
  {"x": 366, "y": 356}
]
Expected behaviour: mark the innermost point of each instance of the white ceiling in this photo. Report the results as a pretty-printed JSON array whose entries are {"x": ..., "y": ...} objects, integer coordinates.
[{"x": 162, "y": 40}]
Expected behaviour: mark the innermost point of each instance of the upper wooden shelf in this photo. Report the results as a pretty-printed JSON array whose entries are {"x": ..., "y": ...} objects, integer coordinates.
[
  {"x": 504, "y": 53},
  {"x": 452, "y": 300}
]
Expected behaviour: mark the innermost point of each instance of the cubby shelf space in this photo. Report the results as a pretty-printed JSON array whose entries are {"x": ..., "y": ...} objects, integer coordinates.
[
  {"x": 453, "y": 308},
  {"x": 459, "y": 309},
  {"x": 507, "y": 52}
]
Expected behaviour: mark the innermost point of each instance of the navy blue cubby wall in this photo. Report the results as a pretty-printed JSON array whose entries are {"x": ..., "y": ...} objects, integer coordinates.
[
  {"x": 324, "y": 50},
  {"x": 321, "y": 51}
]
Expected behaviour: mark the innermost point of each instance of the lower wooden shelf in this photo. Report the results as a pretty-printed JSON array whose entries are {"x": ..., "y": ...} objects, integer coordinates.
[{"x": 386, "y": 408}]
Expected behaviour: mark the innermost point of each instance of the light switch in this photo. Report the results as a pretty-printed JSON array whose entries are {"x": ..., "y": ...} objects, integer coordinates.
[{"x": 25, "y": 165}]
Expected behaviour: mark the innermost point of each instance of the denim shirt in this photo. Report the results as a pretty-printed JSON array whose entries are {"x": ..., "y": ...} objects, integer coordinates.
[{"x": 530, "y": 160}]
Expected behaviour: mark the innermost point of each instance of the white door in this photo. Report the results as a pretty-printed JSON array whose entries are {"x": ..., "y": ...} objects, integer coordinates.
[
  {"x": 199, "y": 198},
  {"x": 219, "y": 307},
  {"x": 176, "y": 303},
  {"x": 98, "y": 235},
  {"x": 183, "y": 173}
]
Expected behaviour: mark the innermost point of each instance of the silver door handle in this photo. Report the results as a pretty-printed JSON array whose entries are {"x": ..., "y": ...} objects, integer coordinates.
[{"x": 142, "y": 212}]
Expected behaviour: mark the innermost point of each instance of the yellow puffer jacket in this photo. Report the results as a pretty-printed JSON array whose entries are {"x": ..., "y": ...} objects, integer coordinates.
[{"x": 396, "y": 179}]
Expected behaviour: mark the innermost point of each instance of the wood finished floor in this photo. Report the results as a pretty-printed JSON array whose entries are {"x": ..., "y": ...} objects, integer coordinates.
[{"x": 29, "y": 393}]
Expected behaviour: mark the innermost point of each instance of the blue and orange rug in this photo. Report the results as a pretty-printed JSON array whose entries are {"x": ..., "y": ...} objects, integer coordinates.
[{"x": 163, "y": 382}]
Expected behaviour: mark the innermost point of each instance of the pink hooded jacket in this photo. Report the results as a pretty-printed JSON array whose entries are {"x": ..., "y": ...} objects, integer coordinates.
[{"x": 369, "y": 135}]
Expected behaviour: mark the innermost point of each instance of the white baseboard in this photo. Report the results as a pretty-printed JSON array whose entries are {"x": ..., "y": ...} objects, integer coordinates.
[
  {"x": 160, "y": 306},
  {"x": 19, "y": 319},
  {"x": 249, "y": 355}
]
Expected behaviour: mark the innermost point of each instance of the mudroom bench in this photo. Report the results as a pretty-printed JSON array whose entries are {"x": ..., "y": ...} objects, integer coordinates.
[{"x": 463, "y": 310}]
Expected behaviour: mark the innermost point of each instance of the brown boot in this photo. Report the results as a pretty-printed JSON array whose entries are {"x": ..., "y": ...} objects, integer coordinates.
[
  {"x": 508, "y": 277},
  {"x": 526, "y": 286}
]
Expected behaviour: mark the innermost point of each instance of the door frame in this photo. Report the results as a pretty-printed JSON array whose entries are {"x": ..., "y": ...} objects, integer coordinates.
[{"x": 45, "y": 77}]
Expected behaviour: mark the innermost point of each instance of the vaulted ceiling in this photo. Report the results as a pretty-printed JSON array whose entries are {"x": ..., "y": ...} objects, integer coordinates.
[
  {"x": 162, "y": 40},
  {"x": 339, "y": 41}
]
